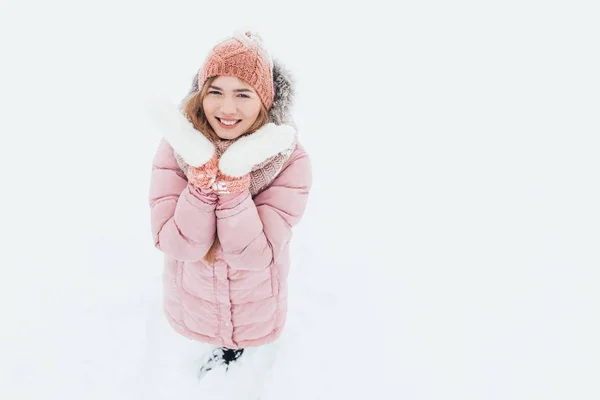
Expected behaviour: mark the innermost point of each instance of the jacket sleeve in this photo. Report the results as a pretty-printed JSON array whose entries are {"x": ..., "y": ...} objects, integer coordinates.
[
  {"x": 254, "y": 233},
  {"x": 183, "y": 217}
]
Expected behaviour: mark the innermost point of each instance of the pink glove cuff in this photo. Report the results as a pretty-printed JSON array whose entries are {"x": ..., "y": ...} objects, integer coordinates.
[
  {"x": 225, "y": 184},
  {"x": 204, "y": 176}
]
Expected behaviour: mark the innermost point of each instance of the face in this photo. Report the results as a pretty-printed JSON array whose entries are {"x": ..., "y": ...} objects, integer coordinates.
[{"x": 231, "y": 106}]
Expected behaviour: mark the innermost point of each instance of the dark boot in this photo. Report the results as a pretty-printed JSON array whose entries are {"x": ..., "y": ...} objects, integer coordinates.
[{"x": 220, "y": 356}]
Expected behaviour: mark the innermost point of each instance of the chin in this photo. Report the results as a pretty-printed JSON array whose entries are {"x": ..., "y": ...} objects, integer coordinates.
[
  {"x": 228, "y": 135},
  {"x": 235, "y": 133}
]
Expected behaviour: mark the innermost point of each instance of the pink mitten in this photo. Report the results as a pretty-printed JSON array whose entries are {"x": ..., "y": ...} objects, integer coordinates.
[
  {"x": 239, "y": 159},
  {"x": 205, "y": 175},
  {"x": 188, "y": 143},
  {"x": 226, "y": 184}
]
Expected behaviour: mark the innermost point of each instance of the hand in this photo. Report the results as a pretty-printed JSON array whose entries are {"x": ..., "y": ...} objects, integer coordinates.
[
  {"x": 190, "y": 144},
  {"x": 204, "y": 177},
  {"x": 238, "y": 160},
  {"x": 225, "y": 184}
]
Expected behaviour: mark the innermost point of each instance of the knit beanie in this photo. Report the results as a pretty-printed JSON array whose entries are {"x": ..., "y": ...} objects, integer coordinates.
[{"x": 244, "y": 57}]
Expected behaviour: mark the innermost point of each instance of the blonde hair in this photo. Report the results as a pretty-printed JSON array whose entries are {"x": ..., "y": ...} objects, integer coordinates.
[{"x": 192, "y": 108}]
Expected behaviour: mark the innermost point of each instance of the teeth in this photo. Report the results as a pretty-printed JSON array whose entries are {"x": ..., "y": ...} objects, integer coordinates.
[{"x": 229, "y": 122}]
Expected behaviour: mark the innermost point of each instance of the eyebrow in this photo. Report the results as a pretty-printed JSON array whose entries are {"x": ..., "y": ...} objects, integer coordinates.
[{"x": 235, "y": 91}]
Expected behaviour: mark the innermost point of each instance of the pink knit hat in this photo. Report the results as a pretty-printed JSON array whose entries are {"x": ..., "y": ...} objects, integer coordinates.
[{"x": 244, "y": 57}]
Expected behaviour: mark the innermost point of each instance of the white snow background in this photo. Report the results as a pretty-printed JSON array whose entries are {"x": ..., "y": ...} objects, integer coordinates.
[{"x": 451, "y": 246}]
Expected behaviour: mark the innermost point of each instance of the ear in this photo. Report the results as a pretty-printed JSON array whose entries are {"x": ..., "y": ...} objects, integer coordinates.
[
  {"x": 255, "y": 148},
  {"x": 191, "y": 144}
]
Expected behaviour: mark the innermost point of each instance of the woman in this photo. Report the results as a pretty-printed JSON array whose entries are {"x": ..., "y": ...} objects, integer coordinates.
[{"x": 229, "y": 182}]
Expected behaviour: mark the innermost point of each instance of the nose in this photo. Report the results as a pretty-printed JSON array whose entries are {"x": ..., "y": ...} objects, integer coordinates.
[{"x": 228, "y": 106}]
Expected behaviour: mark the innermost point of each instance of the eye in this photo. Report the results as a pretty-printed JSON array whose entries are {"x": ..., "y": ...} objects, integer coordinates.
[
  {"x": 244, "y": 96},
  {"x": 214, "y": 92}
]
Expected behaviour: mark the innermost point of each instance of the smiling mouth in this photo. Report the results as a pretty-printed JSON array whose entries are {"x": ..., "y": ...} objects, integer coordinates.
[{"x": 228, "y": 123}]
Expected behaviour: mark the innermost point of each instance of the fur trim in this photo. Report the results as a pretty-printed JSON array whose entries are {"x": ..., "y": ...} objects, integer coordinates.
[
  {"x": 190, "y": 144},
  {"x": 248, "y": 151},
  {"x": 280, "y": 112}
]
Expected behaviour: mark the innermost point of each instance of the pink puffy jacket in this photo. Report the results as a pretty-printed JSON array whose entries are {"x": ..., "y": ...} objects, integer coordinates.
[{"x": 241, "y": 300}]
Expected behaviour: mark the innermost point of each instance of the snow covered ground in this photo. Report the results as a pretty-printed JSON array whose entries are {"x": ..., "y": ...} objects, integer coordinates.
[{"x": 450, "y": 247}]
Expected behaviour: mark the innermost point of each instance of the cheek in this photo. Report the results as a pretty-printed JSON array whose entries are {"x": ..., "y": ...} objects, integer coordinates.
[
  {"x": 252, "y": 110},
  {"x": 208, "y": 106}
]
